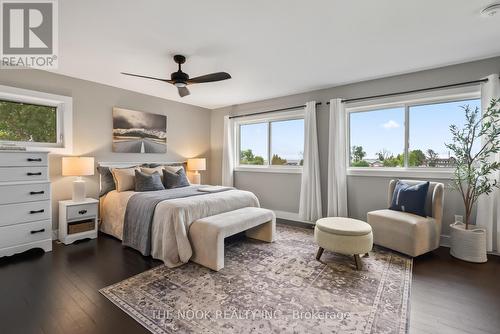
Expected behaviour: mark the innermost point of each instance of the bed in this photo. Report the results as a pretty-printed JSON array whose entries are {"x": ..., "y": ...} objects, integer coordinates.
[{"x": 170, "y": 218}]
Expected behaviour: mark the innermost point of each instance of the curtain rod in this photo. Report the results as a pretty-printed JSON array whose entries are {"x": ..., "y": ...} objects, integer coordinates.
[
  {"x": 270, "y": 111},
  {"x": 467, "y": 83}
]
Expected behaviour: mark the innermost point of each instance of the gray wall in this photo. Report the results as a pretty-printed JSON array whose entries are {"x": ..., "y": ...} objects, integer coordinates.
[
  {"x": 187, "y": 132},
  {"x": 364, "y": 193}
]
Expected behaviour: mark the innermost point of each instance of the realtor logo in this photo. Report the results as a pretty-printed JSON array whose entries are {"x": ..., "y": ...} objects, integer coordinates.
[{"x": 29, "y": 34}]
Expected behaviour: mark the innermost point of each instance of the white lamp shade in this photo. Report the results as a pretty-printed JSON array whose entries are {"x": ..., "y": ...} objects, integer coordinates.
[
  {"x": 197, "y": 164},
  {"x": 77, "y": 166}
]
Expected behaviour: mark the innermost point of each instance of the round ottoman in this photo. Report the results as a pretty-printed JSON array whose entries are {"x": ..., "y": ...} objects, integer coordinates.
[{"x": 345, "y": 236}]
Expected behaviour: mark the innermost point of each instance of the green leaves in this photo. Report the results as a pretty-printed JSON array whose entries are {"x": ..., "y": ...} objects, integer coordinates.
[
  {"x": 473, "y": 171},
  {"x": 248, "y": 158},
  {"x": 27, "y": 122}
]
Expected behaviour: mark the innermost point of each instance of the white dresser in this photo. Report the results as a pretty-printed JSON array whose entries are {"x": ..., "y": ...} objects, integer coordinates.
[{"x": 25, "y": 208}]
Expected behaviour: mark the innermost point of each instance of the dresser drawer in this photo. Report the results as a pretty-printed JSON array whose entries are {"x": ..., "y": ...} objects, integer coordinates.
[
  {"x": 8, "y": 174},
  {"x": 81, "y": 211},
  {"x": 19, "y": 234},
  {"x": 19, "y": 193},
  {"x": 20, "y": 159},
  {"x": 11, "y": 214}
]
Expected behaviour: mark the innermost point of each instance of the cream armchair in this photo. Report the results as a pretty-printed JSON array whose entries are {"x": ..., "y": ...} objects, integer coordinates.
[{"x": 408, "y": 233}]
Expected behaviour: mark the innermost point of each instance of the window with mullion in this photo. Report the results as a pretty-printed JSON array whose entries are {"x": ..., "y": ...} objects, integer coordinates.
[
  {"x": 407, "y": 136},
  {"x": 271, "y": 143}
]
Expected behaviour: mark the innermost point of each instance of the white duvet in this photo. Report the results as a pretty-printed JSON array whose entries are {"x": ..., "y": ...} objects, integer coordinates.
[{"x": 172, "y": 218}]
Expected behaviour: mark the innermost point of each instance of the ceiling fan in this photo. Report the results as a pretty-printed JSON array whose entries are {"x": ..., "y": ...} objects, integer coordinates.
[{"x": 180, "y": 79}]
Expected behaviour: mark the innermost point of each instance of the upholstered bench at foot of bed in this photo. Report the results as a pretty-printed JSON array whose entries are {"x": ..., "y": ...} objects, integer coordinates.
[{"x": 207, "y": 234}]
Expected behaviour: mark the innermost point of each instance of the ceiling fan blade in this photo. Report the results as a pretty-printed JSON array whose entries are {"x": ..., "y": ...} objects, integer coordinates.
[
  {"x": 146, "y": 77},
  {"x": 183, "y": 91},
  {"x": 218, "y": 76}
]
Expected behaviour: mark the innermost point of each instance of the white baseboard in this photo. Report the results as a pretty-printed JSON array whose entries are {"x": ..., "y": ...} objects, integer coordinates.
[
  {"x": 444, "y": 241},
  {"x": 55, "y": 234},
  {"x": 290, "y": 216}
]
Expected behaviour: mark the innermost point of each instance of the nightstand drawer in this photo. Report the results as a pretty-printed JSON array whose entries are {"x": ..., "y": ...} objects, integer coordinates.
[
  {"x": 25, "y": 233},
  {"x": 24, "y": 212},
  {"x": 20, "y": 159},
  {"x": 19, "y": 193},
  {"x": 10, "y": 174},
  {"x": 81, "y": 211}
]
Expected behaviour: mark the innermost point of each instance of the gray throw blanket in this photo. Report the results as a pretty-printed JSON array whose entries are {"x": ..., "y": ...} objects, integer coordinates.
[{"x": 140, "y": 211}]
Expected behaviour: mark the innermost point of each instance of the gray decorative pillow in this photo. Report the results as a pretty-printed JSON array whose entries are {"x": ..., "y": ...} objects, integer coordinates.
[
  {"x": 107, "y": 181},
  {"x": 148, "y": 182},
  {"x": 175, "y": 180}
]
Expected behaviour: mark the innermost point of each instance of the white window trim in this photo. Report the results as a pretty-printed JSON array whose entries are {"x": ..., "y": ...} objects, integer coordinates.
[
  {"x": 406, "y": 101},
  {"x": 64, "y": 105},
  {"x": 282, "y": 116}
]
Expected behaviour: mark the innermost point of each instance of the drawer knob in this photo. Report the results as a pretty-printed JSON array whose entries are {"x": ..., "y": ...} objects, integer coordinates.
[
  {"x": 37, "y": 211},
  {"x": 34, "y": 159},
  {"x": 33, "y": 174},
  {"x": 82, "y": 212},
  {"x": 37, "y": 192},
  {"x": 38, "y": 231}
]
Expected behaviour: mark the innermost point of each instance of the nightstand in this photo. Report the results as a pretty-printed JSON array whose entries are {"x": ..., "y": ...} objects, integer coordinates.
[{"x": 78, "y": 220}]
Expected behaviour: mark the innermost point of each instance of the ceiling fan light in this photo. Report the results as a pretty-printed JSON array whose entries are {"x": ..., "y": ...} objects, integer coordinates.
[
  {"x": 491, "y": 10},
  {"x": 180, "y": 84}
]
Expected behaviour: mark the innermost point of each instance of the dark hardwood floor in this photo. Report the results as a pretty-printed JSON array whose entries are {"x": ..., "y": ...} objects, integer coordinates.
[
  {"x": 57, "y": 292},
  {"x": 453, "y": 296}
]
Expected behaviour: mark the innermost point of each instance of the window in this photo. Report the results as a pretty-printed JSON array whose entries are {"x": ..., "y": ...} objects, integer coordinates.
[
  {"x": 253, "y": 144},
  {"x": 430, "y": 130},
  {"x": 274, "y": 142},
  {"x": 407, "y": 134},
  {"x": 377, "y": 138},
  {"x": 287, "y": 142},
  {"x": 36, "y": 120},
  {"x": 23, "y": 122}
]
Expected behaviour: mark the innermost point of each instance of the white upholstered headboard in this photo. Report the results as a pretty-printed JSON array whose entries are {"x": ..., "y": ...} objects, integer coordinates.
[{"x": 119, "y": 164}]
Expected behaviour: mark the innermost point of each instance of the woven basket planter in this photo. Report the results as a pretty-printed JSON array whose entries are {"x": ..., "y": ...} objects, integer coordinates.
[{"x": 468, "y": 245}]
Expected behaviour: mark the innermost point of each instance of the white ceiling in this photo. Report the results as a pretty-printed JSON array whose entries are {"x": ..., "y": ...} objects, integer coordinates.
[{"x": 270, "y": 47}]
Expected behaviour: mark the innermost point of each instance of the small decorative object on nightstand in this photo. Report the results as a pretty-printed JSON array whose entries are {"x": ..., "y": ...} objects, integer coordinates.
[
  {"x": 196, "y": 165},
  {"x": 78, "y": 220}
]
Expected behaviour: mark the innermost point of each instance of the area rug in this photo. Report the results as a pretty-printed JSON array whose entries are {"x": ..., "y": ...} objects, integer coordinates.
[{"x": 273, "y": 288}]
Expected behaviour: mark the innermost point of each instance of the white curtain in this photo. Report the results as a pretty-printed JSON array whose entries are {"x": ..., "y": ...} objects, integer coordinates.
[
  {"x": 310, "y": 190},
  {"x": 337, "y": 160},
  {"x": 227, "y": 153},
  {"x": 488, "y": 207}
]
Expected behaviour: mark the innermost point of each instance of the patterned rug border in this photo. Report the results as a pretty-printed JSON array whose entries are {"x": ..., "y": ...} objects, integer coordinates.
[
  {"x": 128, "y": 309},
  {"x": 153, "y": 328}
]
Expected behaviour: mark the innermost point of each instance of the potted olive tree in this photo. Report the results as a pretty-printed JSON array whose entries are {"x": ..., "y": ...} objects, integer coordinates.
[{"x": 473, "y": 176}]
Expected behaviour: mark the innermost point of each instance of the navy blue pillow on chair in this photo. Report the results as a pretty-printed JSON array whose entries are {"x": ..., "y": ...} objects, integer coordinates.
[{"x": 410, "y": 198}]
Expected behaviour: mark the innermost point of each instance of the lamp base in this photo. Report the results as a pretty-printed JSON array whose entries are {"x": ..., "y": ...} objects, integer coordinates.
[
  {"x": 78, "y": 190},
  {"x": 196, "y": 177}
]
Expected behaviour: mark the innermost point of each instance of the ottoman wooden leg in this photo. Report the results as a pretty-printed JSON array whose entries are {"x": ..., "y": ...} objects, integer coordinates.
[
  {"x": 357, "y": 260},
  {"x": 319, "y": 253}
]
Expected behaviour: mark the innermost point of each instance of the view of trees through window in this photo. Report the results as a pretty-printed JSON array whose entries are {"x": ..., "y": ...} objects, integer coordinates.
[
  {"x": 24, "y": 122},
  {"x": 284, "y": 139},
  {"x": 377, "y": 137}
]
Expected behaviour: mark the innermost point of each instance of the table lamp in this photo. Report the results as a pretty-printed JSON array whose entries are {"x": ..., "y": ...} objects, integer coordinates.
[
  {"x": 196, "y": 165},
  {"x": 78, "y": 166}
]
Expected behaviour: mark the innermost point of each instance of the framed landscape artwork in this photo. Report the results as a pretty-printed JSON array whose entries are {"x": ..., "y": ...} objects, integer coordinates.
[{"x": 139, "y": 132}]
